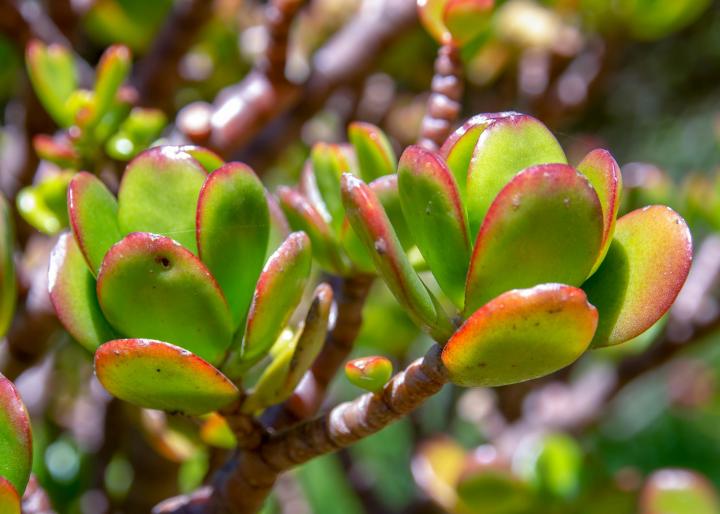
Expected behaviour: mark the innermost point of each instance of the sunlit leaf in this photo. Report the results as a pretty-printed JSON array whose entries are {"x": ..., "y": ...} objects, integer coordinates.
[
  {"x": 54, "y": 78},
  {"x": 15, "y": 437},
  {"x": 9, "y": 498},
  {"x": 679, "y": 491},
  {"x": 374, "y": 152},
  {"x": 369, "y": 373}
]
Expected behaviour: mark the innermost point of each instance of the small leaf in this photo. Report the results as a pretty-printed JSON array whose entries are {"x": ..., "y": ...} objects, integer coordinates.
[
  {"x": 374, "y": 152},
  {"x": 277, "y": 294},
  {"x": 139, "y": 129},
  {"x": 44, "y": 206},
  {"x": 9, "y": 498},
  {"x": 73, "y": 295},
  {"x": 207, "y": 158},
  {"x": 369, "y": 373},
  {"x": 431, "y": 16},
  {"x": 216, "y": 432},
  {"x": 643, "y": 272},
  {"x": 92, "y": 209},
  {"x": 157, "y": 375},
  {"x": 371, "y": 224},
  {"x": 159, "y": 193},
  {"x": 15, "y": 437},
  {"x": 233, "y": 227},
  {"x": 150, "y": 286},
  {"x": 604, "y": 174},
  {"x": 520, "y": 335},
  {"x": 8, "y": 283},
  {"x": 432, "y": 206},
  {"x": 510, "y": 143},
  {"x": 545, "y": 226},
  {"x": 57, "y": 151},
  {"x": 466, "y": 19},
  {"x": 679, "y": 491},
  {"x": 53, "y": 76},
  {"x": 112, "y": 70},
  {"x": 329, "y": 163}
]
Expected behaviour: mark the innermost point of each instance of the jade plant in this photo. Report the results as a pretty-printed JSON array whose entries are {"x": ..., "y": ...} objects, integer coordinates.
[
  {"x": 525, "y": 249},
  {"x": 170, "y": 284},
  {"x": 15, "y": 447}
]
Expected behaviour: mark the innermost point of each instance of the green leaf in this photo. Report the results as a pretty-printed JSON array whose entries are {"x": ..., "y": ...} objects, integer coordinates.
[
  {"x": 432, "y": 206},
  {"x": 58, "y": 151},
  {"x": 679, "y": 491},
  {"x": 369, "y": 373},
  {"x": 510, "y": 143},
  {"x": 93, "y": 210},
  {"x": 329, "y": 163},
  {"x": 54, "y": 78},
  {"x": 437, "y": 467},
  {"x": 520, "y": 335},
  {"x": 73, "y": 295},
  {"x": 150, "y": 286},
  {"x": 207, "y": 158},
  {"x": 15, "y": 437},
  {"x": 371, "y": 224},
  {"x": 157, "y": 375},
  {"x": 431, "y": 16},
  {"x": 387, "y": 191},
  {"x": 277, "y": 295},
  {"x": 374, "y": 152},
  {"x": 604, "y": 174},
  {"x": 216, "y": 432},
  {"x": 545, "y": 226},
  {"x": 279, "y": 226},
  {"x": 9, "y": 498},
  {"x": 159, "y": 193},
  {"x": 493, "y": 490},
  {"x": 44, "y": 206},
  {"x": 643, "y": 272},
  {"x": 459, "y": 147},
  {"x": 362, "y": 261},
  {"x": 112, "y": 70},
  {"x": 466, "y": 19},
  {"x": 138, "y": 131},
  {"x": 8, "y": 283},
  {"x": 233, "y": 227}
]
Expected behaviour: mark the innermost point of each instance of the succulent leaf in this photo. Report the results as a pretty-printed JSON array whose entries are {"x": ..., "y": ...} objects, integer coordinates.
[
  {"x": 159, "y": 193},
  {"x": 431, "y": 16},
  {"x": 54, "y": 78},
  {"x": 644, "y": 270},
  {"x": 233, "y": 226},
  {"x": 387, "y": 191},
  {"x": 9, "y": 498},
  {"x": 112, "y": 70},
  {"x": 329, "y": 163},
  {"x": 466, "y": 19},
  {"x": 374, "y": 152},
  {"x": 520, "y": 335},
  {"x": 44, "y": 206},
  {"x": 158, "y": 375},
  {"x": 458, "y": 148},
  {"x": 679, "y": 491},
  {"x": 216, "y": 432},
  {"x": 431, "y": 204},
  {"x": 207, "y": 158},
  {"x": 15, "y": 437},
  {"x": 73, "y": 295},
  {"x": 369, "y": 373},
  {"x": 150, "y": 286},
  {"x": 8, "y": 283},
  {"x": 437, "y": 468},
  {"x": 545, "y": 226}
]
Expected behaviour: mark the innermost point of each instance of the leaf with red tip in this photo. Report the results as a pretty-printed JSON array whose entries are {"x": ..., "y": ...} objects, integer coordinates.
[
  {"x": 510, "y": 143},
  {"x": 371, "y": 224},
  {"x": 112, "y": 70},
  {"x": 467, "y": 19},
  {"x": 369, "y": 373},
  {"x": 208, "y": 159},
  {"x": 158, "y": 375},
  {"x": 150, "y": 286},
  {"x": 15, "y": 437},
  {"x": 545, "y": 226},
  {"x": 278, "y": 293},
  {"x": 233, "y": 226},
  {"x": 9, "y": 498},
  {"x": 216, "y": 432},
  {"x": 431, "y": 204},
  {"x": 643, "y": 272},
  {"x": 73, "y": 295},
  {"x": 159, "y": 193},
  {"x": 92, "y": 209},
  {"x": 303, "y": 216},
  {"x": 520, "y": 335},
  {"x": 57, "y": 151},
  {"x": 329, "y": 163},
  {"x": 8, "y": 282},
  {"x": 603, "y": 172},
  {"x": 679, "y": 491},
  {"x": 431, "y": 16},
  {"x": 374, "y": 152}
]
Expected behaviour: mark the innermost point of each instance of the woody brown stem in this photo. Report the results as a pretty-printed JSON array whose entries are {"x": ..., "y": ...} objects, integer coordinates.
[{"x": 444, "y": 103}]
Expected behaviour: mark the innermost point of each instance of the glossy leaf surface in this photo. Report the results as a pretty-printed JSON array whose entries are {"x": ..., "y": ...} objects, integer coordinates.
[
  {"x": 644, "y": 270},
  {"x": 208, "y": 159},
  {"x": 545, "y": 226},
  {"x": 150, "y": 286},
  {"x": 369, "y": 373},
  {"x": 158, "y": 375},
  {"x": 9, "y": 498},
  {"x": 53, "y": 76},
  {"x": 458, "y": 148},
  {"x": 374, "y": 152},
  {"x": 329, "y": 163},
  {"x": 520, "y": 335},
  {"x": 15, "y": 437}
]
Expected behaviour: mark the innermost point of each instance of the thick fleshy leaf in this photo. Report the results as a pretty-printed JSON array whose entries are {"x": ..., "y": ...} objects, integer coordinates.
[
  {"x": 374, "y": 152},
  {"x": 371, "y": 224},
  {"x": 9, "y": 498},
  {"x": 644, "y": 270},
  {"x": 53, "y": 76},
  {"x": 520, "y": 335},
  {"x": 59, "y": 151},
  {"x": 150, "y": 286},
  {"x": 431, "y": 16},
  {"x": 215, "y": 431},
  {"x": 15, "y": 437},
  {"x": 293, "y": 359},
  {"x": 159, "y": 193},
  {"x": 92, "y": 209},
  {"x": 369, "y": 373},
  {"x": 329, "y": 163},
  {"x": 279, "y": 226},
  {"x": 603, "y": 172},
  {"x": 544, "y": 226},
  {"x": 466, "y": 19},
  {"x": 233, "y": 226},
  {"x": 278, "y": 293},
  {"x": 8, "y": 283},
  {"x": 112, "y": 70},
  {"x": 73, "y": 295},
  {"x": 493, "y": 490},
  {"x": 44, "y": 206},
  {"x": 679, "y": 491},
  {"x": 207, "y": 158},
  {"x": 387, "y": 191},
  {"x": 361, "y": 260},
  {"x": 303, "y": 216},
  {"x": 510, "y": 143},
  {"x": 158, "y": 375},
  {"x": 137, "y": 132},
  {"x": 432, "y": 206},
  {"x": 458, "y": 149}
]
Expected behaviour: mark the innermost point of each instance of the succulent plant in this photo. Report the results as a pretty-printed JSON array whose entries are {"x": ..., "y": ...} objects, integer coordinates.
[
  {"x": 369, "y": 373},
  {"x": 455, "y": 21},
  {"x": 166, "y": 283},
  {"x": 525, "y": 247},
  {"x": 15, "y": 447}
]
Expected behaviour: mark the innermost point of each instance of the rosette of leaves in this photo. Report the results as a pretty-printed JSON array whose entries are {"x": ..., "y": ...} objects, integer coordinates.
[
  {"x": 171, "y": 286},
  {"x": 15, "y": 448},
  {"x": 97, "y": 125},
  {"x": 526, "y": 248}
]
